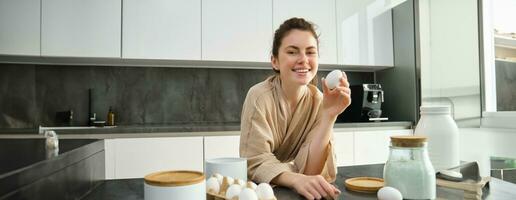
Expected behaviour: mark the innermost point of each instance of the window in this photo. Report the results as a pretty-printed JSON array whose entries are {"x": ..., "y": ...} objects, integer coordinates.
[
  {"x": 499, "y": 40},
  {"x": 499, "y": 63}
]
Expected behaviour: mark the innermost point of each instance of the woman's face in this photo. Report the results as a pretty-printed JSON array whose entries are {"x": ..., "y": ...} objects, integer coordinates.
[{"x": 297, "y": 58}]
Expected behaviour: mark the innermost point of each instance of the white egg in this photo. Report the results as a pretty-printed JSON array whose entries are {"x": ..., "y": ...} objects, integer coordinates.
[
  {"x": 251, "y": 185},
  {"x": 212, "y": 185},
  {"x": 219, "y": 178},
  {"x": 240, "y": 182},
  {"x": 333, "y": 78},
  {"x": 389, "y": 193},
  {"x": 264, "y": 191},
  {"x": 247, "y": 194},
  {"x": 230, "y": 180},
  {"x": 233, "y": 191}
]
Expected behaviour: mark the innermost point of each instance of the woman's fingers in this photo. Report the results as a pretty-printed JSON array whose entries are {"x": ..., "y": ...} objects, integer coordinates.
[
  {"x": 314, "y": 193},
  {"x": 336, "y": 189},
  {"x": 324, "y": 86},
  {"x": 322, "y": 191},
  {"x": 306, "y": 194},
  {"x": 343, "y": 89},
  {"x": 336, "y": 192},
  {"x": 329, "y": 190},
  {"x": 344, "y": 80},
  {"x": 315, "y": 187},
  {"x": 344, "y": 75}
]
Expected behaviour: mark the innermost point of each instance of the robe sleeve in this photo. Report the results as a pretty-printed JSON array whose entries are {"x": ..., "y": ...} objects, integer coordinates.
[
  {"x": 329, "y": 171},
  {"x": 256, "y": 144}
]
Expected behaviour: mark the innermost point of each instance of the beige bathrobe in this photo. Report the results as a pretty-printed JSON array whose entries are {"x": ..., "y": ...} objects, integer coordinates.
[{"x": 275, "y": 139}]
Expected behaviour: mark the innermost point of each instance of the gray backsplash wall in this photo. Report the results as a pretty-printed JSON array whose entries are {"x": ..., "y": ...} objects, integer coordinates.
[{"x": 32, "y": 94}]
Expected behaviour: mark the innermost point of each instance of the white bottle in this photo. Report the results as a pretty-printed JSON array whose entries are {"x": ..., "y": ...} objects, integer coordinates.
[{"x": 443, "y": 136}]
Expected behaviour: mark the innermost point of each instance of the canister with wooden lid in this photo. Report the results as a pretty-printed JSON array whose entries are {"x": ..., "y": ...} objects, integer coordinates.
[
  {"x": 409, "y": 169},
  {"x": 175, "y": 185}
]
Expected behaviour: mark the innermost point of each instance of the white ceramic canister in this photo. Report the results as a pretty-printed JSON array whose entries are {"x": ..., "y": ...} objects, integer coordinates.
[
  {"x": 443, "y": 136},
  {"x": 175, "y": 185}
]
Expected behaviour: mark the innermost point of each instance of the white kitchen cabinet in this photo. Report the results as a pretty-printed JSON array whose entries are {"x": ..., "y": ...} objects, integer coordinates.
[
  {"x": 78, "y": 28},
  {"x": 162, "y": 29},
  {"x": 109, "y": 152},
  {"x": 236, "y": 30},
  {"x": 343, "y": 145},
  {"x": 19, "y": 25},
  {"x": 364, "y": 32},
  {"x": 322, "y": 13},
  {"x": 372, "y": 147},
  {"x": 221, "y": 146},
  {"x": 137, "y": 157}
]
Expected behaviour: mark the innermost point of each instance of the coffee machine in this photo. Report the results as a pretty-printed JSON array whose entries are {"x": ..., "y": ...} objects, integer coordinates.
[{"x": 366, "y": 104}]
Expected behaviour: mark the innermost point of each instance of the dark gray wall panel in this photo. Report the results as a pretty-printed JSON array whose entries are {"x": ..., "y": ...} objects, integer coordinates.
[{"x": 138, "y": 95}]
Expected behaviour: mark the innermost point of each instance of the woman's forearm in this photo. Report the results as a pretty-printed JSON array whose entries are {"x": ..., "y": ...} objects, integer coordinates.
[
  {"x": 319, "y": 146},
  {"x": 286, "y": 179}
]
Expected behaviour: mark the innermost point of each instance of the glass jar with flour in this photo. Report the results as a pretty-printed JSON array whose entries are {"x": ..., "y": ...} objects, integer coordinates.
[{"x": 409, "y": 169}]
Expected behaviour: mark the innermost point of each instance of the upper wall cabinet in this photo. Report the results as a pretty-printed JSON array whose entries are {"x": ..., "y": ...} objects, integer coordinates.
[
  {"x": 19, "y": 27},
  {"x": 364, "y": 32},
  {"x": 162, "y": 29},
  {"x": 79, "y": 28},
  {"x": 236, "y": 30},
  {"x": 321, "y": 13}
]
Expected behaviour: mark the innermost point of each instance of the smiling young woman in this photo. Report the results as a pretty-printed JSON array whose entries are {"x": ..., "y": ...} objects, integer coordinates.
[{"x": 286, "y": 126}]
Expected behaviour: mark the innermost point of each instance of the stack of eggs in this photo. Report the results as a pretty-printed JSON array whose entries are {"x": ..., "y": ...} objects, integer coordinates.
[{"x": 219, "y": 187}]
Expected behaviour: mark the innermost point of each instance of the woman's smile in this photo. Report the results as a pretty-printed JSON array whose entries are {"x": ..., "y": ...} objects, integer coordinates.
[{"x": 301, "y": 72}]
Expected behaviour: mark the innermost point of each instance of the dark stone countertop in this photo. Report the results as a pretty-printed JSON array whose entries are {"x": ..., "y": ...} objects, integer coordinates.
[
  {"x": 24, "y": 161},
  {"x": 132, "y": 189}
]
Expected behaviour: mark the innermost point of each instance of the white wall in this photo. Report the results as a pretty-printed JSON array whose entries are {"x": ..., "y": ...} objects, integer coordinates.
[{"x": 479, "y": 144}]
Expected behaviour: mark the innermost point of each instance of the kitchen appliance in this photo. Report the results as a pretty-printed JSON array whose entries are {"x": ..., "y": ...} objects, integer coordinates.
[{"x": 366, "y": 104}]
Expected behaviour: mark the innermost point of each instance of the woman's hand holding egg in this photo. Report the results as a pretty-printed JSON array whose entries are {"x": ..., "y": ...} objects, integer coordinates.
[{"x": 337, "y": 95}]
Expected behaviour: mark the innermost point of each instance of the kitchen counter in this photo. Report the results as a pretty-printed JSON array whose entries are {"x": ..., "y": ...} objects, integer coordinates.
[
  {"x": 179, "y": 130},
  {"x": 28, "y": 169},
  {"x": 132, "y": 189}
]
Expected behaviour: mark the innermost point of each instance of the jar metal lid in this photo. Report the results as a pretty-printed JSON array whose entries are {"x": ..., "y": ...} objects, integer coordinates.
[
  {"x": 174, "y": 178},
  {"x": 408, "y": 141}
]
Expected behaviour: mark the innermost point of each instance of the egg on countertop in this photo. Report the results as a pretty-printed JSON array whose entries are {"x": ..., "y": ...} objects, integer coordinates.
[
  {"x": 247, "y": 194},
  {"x": 240, "y": 182},
  {"x": 264, "y": 191},
  {"x": 212, "y": 185},
  {"x": 230, "y": 180},
  {"x": 251, "y": 185},
  {"x": 233, "y": 191},
  {"x": 219, "y": 177},
  {"x": 389, "y": 193}
]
